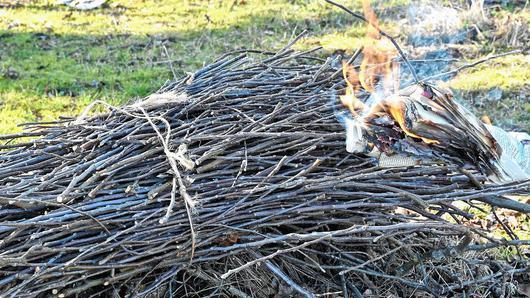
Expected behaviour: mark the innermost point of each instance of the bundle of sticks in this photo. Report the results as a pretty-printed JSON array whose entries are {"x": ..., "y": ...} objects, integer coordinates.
[{"x": 235, "y": 181}]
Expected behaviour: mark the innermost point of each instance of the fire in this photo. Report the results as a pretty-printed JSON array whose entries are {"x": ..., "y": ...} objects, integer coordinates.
[
  {"x": 395, "y": 108},
  {"x": 352, "y": 81},
  {"x": 378, "y": 75},
  {"x": 377, "y": 70},
  {"x": 377, "y": 65}
]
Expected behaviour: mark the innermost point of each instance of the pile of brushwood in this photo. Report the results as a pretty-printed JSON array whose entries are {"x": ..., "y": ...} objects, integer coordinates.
[{"x": 235, "y": 181}]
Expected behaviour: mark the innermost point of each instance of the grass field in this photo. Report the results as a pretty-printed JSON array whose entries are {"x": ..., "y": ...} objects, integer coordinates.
[{"x": 54, "y": 60}]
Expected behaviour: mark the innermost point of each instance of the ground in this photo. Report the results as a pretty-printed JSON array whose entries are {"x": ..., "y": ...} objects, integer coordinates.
[{"x": 54, "y": 60}]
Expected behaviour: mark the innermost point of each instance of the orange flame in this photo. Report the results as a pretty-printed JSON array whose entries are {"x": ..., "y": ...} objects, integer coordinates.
[
  {"x": 349, "y": 100},
  {"x": 377, "y": 67},
  {"x": 396, "y": 111},
  {"x": 378, "y": 74}
]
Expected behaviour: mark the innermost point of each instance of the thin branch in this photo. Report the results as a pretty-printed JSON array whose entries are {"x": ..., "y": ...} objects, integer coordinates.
[{"x": 469, "y": 65}]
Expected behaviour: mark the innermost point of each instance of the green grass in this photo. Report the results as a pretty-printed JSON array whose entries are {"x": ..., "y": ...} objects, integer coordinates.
[
  {"x": 54, "y": 60},
  {"x": 507, "y": 73},
  {"x": 59, "y": 59}
]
